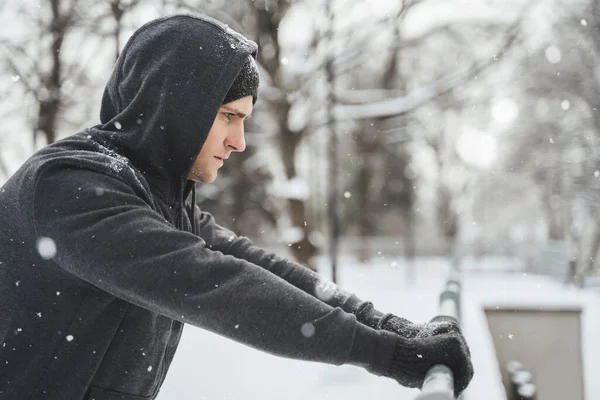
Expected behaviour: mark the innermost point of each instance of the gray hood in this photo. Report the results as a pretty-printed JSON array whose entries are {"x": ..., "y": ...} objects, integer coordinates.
[{"x": 165, "y": 91}]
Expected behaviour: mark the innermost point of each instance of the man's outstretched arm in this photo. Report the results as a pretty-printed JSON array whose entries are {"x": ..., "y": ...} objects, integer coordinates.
[
  {"x": 223, "y": 240},
  {"x": 431, "y": 341},
  {"x": 227, "y": 242}
]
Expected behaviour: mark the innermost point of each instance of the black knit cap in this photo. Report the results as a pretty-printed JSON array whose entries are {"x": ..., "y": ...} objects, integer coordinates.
[{"x": 246, "y": 83}]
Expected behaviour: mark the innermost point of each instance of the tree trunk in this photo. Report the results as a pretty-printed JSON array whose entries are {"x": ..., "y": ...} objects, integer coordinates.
[
  {"x": 267, "y": 23},
  {"x": 117, "y": 10},
  {"x": 241, "y": 187},
  {"x": 303, "y": 250},
  {"x": 50, "y": 104},
  {"x": 556, "y": 229},
  {"x": 591, "y": 261},
  {"x": 410, "y": 266},
  {"x": 364, "y": 192},
  {"x": 448, "y": 223}
]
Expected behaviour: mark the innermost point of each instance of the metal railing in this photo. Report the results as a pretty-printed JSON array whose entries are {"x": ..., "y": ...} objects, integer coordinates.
[{"x": 439, "y": 381}]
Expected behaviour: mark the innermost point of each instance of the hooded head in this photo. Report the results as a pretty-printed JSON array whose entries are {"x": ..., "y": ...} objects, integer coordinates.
[{"x": 166, "y": 88}]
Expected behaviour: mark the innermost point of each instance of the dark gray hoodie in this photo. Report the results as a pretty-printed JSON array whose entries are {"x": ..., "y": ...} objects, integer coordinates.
[{"x": 102, "y": 263}]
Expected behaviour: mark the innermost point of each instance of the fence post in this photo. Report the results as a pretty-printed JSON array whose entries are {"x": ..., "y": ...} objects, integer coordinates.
[{"x": 520, "y": 382}]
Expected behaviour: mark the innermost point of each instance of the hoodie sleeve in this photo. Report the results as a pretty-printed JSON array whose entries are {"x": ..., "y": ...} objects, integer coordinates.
[
  {"x": 108, "y": 236},
  {"x": 227, "y": 242}
]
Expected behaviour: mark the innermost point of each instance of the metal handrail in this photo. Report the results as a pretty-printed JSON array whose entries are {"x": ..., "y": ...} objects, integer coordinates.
[{"x": 439, "y": 380}]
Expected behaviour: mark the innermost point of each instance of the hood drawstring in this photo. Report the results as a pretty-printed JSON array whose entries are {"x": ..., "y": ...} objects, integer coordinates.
[
  {"x": 180, "y": 224},
  {"x": 193, "y": 210},
  {"x": 180, "y": 213}
]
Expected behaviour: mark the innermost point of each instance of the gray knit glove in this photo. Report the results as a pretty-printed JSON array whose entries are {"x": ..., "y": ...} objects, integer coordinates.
[
  {"x": 421, "y": 346},
  {"x": 413, "y": 357},
  {"x": 367, "y": 315}
]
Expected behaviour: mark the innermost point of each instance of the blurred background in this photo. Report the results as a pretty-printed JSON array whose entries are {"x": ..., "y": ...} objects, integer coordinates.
[
  {"x": 387, "y": 132},
  {"x": 466, "y": 123}
]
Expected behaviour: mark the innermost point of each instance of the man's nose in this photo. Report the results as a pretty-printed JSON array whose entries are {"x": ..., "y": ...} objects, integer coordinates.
[{"x": 236, "y": 140}]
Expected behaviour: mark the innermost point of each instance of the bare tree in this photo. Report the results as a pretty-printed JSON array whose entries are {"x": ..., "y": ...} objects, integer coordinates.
[
  {"x": 559, "y": 142},
  {"x": 375, "y": 158},
  {"x": 286, "y": 89},
  {"x": 42, "y": 77},
  {"x": 108, "y": 20}
]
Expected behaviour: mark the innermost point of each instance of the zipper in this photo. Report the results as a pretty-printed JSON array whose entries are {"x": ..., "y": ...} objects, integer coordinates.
[{"x": 170, "y": 353}]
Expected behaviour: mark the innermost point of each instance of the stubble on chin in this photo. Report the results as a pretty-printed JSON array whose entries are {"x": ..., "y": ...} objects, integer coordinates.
[{"x": 203, "y": 177}]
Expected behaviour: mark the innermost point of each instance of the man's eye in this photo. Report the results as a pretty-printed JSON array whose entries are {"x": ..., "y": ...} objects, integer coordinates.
[{"x": 228, "y": 115}]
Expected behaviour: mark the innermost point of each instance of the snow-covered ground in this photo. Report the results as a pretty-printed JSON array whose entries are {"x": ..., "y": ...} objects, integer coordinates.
[{"x": 209, "y": 367}]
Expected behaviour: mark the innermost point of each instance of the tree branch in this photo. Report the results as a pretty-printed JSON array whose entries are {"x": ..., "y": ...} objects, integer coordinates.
[
  {"x": 416, "y": 98},
  {"x": 12, "y": 65}
]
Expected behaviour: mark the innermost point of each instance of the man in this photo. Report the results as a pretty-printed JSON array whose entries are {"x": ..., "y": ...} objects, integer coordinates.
[{"x": 103, "y": 261}]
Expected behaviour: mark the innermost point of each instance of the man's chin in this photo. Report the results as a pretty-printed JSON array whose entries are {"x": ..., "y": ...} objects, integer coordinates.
[
  {"x": 207, "y": 179},
  {"x": 203, "y": 178}
]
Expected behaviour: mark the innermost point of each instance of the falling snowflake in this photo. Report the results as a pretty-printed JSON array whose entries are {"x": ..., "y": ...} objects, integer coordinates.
[
  {"x": 46, "y": 248},
  {"x": 69, "y": 338},
  {"x": 308, "y": 330},
  {"x": 553, "y": 55}
]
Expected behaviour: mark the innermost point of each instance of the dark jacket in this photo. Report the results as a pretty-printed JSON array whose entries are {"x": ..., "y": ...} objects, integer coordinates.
[{"x": 102, "y": 263}]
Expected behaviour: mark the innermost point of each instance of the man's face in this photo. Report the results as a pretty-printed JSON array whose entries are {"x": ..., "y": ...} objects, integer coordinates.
[{"x": 225, "y": 137}]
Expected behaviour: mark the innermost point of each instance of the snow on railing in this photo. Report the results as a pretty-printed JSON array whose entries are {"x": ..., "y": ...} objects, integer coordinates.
[{"x": 439, "y": 381}]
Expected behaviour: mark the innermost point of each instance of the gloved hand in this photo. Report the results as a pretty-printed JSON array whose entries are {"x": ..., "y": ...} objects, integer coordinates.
[
  {"x": 421, "y": 346},
  {"x": 367, "y": 315},
  {"x": 413, "y": 357},
  {"x": 409, "y": 330}
]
